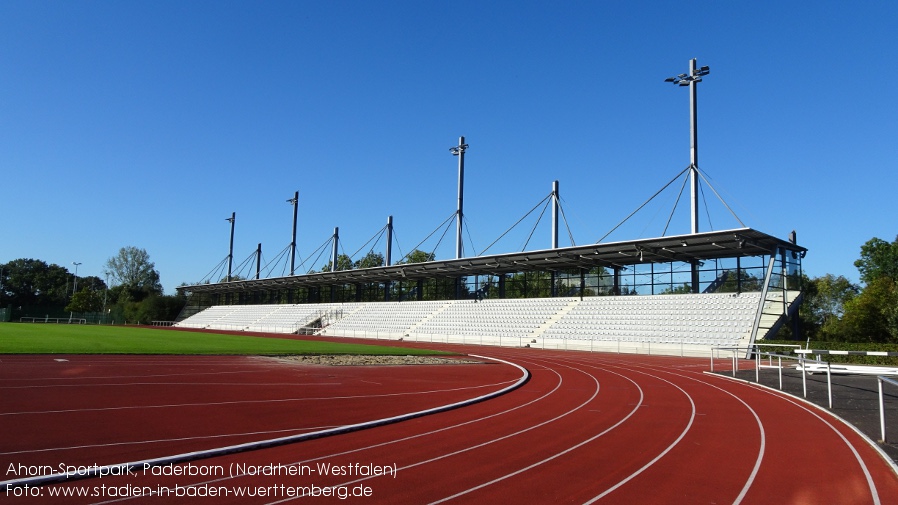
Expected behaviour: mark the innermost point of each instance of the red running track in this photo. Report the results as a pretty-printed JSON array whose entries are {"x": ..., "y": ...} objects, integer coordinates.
[{"x": 587, "y": 428}]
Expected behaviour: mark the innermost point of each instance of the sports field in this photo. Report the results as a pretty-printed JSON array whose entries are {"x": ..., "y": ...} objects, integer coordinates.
[{"x": 20, "y": 338}]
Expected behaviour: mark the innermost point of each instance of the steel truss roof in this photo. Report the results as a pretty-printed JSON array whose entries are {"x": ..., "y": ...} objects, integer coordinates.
[{"x": 681, "y": 248}]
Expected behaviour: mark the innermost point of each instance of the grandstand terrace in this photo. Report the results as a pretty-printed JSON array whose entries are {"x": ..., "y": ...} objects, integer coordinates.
[
  {"x": 672, "y": 294},
  {"x": 681, "y": 295}
]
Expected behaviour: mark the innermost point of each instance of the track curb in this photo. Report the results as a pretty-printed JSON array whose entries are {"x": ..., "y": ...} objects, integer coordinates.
[{"x": 98, "y": 471}]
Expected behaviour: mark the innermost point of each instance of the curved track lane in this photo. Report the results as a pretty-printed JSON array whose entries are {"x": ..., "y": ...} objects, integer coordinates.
[{"x": 586, "y": 428}]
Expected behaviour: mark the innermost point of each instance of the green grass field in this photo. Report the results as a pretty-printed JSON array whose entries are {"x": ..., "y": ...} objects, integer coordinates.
[{"x": 23, "y": 338}]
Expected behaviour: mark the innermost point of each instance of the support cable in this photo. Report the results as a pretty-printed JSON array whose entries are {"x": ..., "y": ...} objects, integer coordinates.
[
  {"x": 340, "y": 246},
  {"x": 643, "y": 205},
  {"x": 244, "y": 264},
  {"x": 275, "y": 261},
  {"x": 517, "y": 223},
  {"x": 468, "y": 229},
  {"x": 376, "y": 235},
  {"x": 216, "y": 268},
  {"x": 676, "y": 204},
  {"x": 321, "y": 248},
  {"x": 434, "y": 252},
  {"x": 541, "y": 214},
  {"x": 450, "y": 218},
  {"x": 707, "y": 211},
  {"x": 566, "y": 225},
  {"x": 396, "y": 239},
  {"x": 721, "y": 199}
]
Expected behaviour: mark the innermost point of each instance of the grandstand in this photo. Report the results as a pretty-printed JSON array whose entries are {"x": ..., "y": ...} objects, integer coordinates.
[
  {"x": 748, "y": 294},
  {"x": 681, "y": 294},
  {"x": 690, "y": 324}
]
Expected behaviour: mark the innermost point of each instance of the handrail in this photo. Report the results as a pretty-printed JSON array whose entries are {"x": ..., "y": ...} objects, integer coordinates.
[
  {"x": 882, "y": 412},
  {"x": 801, "y": 359},
  {"x": 760, "y": 312}
]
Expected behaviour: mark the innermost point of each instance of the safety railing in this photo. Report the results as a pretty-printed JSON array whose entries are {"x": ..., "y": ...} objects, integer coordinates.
[
  {"x": 882, "y": 410},
  {"x": 53, "y": 320},
  {"x": 801, "y": 359}
]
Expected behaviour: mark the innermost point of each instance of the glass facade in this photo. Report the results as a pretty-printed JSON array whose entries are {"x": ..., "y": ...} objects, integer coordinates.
[{"x": 719, "y": 275}]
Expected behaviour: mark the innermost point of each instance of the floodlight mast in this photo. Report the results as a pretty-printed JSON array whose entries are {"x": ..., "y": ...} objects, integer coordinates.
[
  {"x": 231, "y": 248},
  {"x": 691, "y": 79},
  {"x": 334, "y": 249},
  {"x": 75, "y": 289},
  {"x": 555, "y": 203},
  {"x": 389, "y": 258},
  {"x": 295, "y": 203},
  {"x": 459, "y": 151}
]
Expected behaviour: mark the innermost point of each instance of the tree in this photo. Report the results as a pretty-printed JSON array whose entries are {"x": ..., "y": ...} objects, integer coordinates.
[
  {"x": 371, "y": 260},
  {"x": 152, "y": 308},
  {"x": 417, "y": 256},
  {"x": 86, "y": 300},
  {"x": 343, "y": 263},
  {"x": 872, "y": 315},
  {"x": 831, "y": 295},
  {"x": 740, "y": 280},
  {"x": 92, "y": 282},
  {"x": 30, "y": 282},
  {"x": 878, "y": 259},
  {"x": 132, "y": 268}
]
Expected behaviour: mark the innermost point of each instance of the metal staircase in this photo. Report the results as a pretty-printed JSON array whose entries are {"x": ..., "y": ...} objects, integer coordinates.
[{"x": 778, "y": 303}]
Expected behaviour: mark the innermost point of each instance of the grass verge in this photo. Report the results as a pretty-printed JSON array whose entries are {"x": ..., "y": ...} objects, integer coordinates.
[{"x": 21, "y": 338}]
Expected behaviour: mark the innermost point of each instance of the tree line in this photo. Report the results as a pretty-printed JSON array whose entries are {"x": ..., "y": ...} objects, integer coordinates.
[
  {"x": 834, "y": 308},
  {"x": 838, "y": 310},
  {"x": 130, "y": 293}
]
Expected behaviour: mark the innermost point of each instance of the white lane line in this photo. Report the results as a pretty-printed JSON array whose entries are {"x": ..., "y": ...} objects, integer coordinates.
[
  {"x": 250, "y": 446},
  {"x": 659, "y": 456},
  {"x": 489, "y": 442},
  {"x": 763, "y": 442},
  {"x": 243, "y": 402},
  {"x": 389, "y": 442},
  {"x": 122, "y": 384},
  {"x": 558, "y": 454},
  {"x": 874, "y": 494},
  {"x": 180, "y": 439},
  {"x": 103, "y": 377}
]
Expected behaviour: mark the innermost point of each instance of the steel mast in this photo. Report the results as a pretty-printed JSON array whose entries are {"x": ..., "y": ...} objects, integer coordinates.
[
  {"x": 459, "y": 151},
  {"x": 691, "y": 79}
]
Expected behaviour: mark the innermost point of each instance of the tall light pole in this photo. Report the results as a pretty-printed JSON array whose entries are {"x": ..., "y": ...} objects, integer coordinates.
[
  {"x": 691, "y": 79},
  {"x": 106, "y": 294},
  {"x": 231, "y": 248},
  {"x": 75, "y": 289},
  {"x": 295, "y": 203},
  {"x": 459, "y": 151}
]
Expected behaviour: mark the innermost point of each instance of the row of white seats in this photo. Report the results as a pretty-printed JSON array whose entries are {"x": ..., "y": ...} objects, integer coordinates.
[{"x": 677, "y": 315}]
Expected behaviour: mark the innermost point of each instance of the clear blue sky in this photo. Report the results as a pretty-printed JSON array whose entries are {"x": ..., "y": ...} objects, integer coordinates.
[{"x": 146, "y": 123}]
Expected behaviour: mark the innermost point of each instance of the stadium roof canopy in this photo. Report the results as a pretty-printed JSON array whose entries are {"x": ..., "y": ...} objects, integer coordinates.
[{"x": 680, "y": 248}]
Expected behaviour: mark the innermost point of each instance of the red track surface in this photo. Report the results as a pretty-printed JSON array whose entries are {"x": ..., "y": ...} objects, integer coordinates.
[{"x": 609, "y": 428}]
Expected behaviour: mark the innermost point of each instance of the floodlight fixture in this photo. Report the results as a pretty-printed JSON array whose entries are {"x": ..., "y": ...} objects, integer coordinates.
[
  {"x": 459, "y": 151},
  {"x": 75, "y": 288},
  {"x": 689, "y": 79},
  {"x": 231, "y": 220},
  {"x": 694, "y": 75},
  {"x": 294, "y": 202}
]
